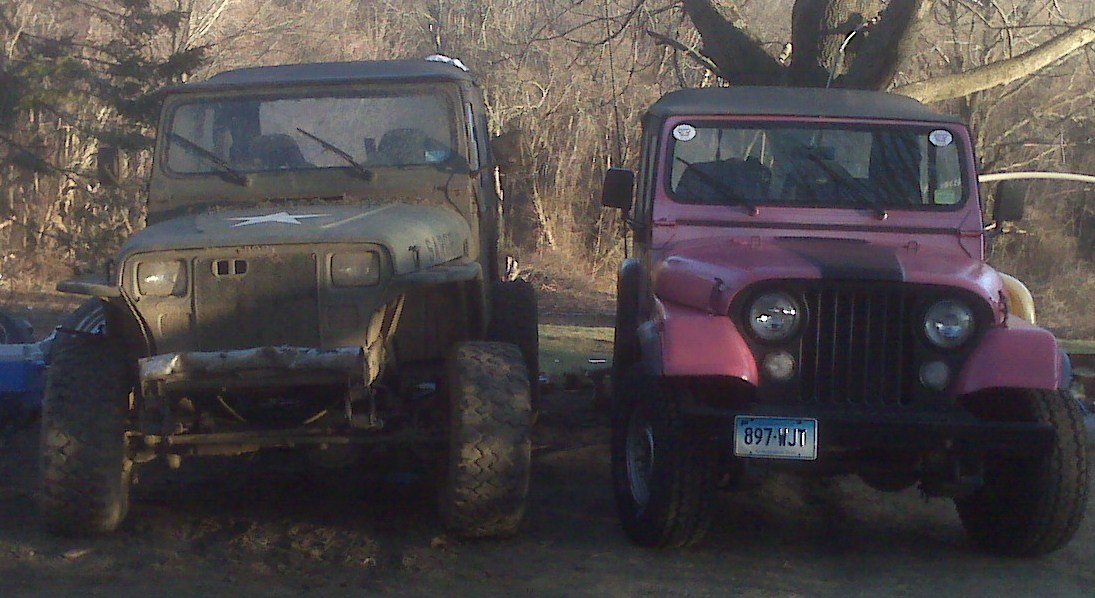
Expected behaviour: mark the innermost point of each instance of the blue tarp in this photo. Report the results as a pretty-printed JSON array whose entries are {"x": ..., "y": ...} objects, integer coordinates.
[{"x": 22, "y": 380}]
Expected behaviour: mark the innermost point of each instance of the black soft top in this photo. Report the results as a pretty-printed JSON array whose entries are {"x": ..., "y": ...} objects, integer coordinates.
[
  {"x": 329, "y": 73},
  {"x": 793, "y": 101}
]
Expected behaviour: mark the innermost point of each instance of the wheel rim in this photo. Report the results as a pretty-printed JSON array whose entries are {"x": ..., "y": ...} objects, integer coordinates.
[{"x": 640, "y": 458}]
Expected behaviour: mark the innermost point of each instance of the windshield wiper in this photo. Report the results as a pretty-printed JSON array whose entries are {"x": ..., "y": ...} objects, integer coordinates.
[
  {"x": 718, "y": 185},
  {"x": 226, "y": 171},
  {"x": 842, "y": 177},
  {"x": 341, "y": 153}
]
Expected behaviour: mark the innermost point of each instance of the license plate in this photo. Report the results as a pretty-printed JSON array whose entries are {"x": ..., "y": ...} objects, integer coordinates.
[{"x": 775, "y": 437}]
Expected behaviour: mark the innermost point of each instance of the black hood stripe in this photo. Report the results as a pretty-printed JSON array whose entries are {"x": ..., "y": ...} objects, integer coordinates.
[{"x": 849, "y": 260}]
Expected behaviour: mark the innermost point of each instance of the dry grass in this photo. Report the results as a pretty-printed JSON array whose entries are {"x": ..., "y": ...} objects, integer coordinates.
[{"x": 1048, "y": 260}]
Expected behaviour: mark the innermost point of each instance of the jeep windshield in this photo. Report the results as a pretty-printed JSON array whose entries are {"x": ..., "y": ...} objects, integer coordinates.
[
  {"x": 832, "y": 165},
  {"x": 402, "y": 126}
]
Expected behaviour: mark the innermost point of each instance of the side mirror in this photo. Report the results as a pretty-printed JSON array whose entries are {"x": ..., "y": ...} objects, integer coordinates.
[
  {"x": 618, "y": 187},
  {"x": 1010, "y": 201},
  {"x": 506, "y": 149},
  {"x": 108, "y": 165}
]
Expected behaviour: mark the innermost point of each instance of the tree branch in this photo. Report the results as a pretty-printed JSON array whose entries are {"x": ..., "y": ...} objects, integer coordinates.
[
  {"x": 886, "y": 41},
  {"x": 1001, "y": 72},
  {"x": 694, "y": 54},
  {"x": 740, "y": 58}
]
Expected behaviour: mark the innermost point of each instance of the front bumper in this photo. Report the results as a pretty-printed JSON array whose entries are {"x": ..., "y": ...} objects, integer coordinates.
[
  {"x": 261, "y": 367},
  {"x": 889, "y": 432}
]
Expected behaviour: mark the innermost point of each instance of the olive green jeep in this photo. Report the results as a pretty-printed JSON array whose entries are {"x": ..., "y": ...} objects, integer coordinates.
[{"x": 319, "y": 271}]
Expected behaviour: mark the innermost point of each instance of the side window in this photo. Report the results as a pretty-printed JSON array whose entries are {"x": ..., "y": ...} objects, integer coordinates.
[{"x": 475, "y": 145}]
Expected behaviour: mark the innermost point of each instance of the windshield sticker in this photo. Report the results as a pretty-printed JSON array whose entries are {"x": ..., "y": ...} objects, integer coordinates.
[
  {"x": 940, "y": 138},
  {"x": 684, "y": 132}
]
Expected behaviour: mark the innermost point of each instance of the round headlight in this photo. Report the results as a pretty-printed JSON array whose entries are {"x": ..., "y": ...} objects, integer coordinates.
[
  {"x": 774, "y": 316},
  {"x": 948, "y": 323}
]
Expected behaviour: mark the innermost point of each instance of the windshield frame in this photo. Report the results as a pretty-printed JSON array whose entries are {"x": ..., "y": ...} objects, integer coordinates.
[
  {"x": 449, "y": 95},
  {"x": 958, "y": 134}
]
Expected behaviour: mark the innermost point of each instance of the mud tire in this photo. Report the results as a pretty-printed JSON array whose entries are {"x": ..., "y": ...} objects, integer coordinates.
[
  {"x": 90, "y": 317},
  {"x": 85, "y": 471},
  {"x": 1033, "y": 506},
  {"x": 514, "y": 320},
  {"x": 671, "y": 503},
  {"x": 489, "y": 453}
]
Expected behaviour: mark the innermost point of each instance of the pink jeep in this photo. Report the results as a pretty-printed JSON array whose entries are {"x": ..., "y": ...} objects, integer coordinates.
[{"x": 808, "y": 292}]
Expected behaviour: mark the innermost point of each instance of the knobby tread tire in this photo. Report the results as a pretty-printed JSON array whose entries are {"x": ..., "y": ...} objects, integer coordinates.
[
  {"x": 682, "y": 483},
  {"x": 1030, "y": 507},
  {"x": 489, "y": 441},
  {"x": 514, "y": 319},
  {"x": 84, "y": 466}
]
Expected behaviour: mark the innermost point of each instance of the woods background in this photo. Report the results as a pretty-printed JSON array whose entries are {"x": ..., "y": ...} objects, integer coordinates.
[{"x": 574, "y": 76}]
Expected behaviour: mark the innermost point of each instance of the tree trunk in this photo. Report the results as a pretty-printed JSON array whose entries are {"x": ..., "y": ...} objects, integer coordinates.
[{"x": 857, "y": 44}]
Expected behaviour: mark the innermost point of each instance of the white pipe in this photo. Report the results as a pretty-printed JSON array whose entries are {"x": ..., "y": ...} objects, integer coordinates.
[{"x": 1058, "y": 176}]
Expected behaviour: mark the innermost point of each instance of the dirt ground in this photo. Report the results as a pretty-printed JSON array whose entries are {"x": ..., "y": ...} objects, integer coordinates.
[{"x": 271, "y": 526}]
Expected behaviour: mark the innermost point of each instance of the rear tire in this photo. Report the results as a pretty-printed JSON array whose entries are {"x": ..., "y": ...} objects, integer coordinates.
[
  {"x": 85, "y": 470},
  {"x": 514, "y": 319},
  {"x": 1032, "y": 506},
  {"x": 662, "y": 472},
  {"x": 489, "y": 441}
]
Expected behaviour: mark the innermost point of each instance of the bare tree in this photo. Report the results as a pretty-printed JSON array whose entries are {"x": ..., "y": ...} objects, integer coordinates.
[{"x": 858, "y": 44}]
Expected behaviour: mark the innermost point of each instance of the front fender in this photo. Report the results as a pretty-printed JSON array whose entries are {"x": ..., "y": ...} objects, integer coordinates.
[
  {"x": 1017, "y": 355},
  {"x": 92, "y": 285},
  {"x": 698, "y": 343}
]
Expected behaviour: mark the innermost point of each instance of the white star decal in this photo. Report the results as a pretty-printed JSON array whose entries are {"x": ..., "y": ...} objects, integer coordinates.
[{"x": 282, "y": 217}]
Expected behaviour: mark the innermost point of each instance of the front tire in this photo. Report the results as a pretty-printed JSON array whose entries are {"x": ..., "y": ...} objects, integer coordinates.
[
  {"x": 489, "y": 441},
  {"x": 85, "y": 469},
  {"x": 1033, "y": 506},
  {"x": 662, "y": 474}
]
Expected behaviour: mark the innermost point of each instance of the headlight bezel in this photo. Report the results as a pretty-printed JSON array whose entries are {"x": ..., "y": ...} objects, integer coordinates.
[
  {"x": 933, "y": 334},
  {"x": 341, "y": 264},
  {"x": 754, "y": 309}
]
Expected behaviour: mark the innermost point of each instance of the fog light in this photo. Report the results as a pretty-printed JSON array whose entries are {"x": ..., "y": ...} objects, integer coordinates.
[
  {"x": 935, "y": 375},
  {"x": 779, "y": 366}
]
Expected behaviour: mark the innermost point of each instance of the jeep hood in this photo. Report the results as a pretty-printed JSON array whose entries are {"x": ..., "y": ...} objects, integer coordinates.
[
  {"x": 708, "y": 274},
  {"x": 416, "y": 236}
]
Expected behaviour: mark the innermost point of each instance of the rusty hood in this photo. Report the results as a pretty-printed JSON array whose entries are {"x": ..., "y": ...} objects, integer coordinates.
[
  {"x": 707, "y": 274},
  {"x": 417, "y": 236}
]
